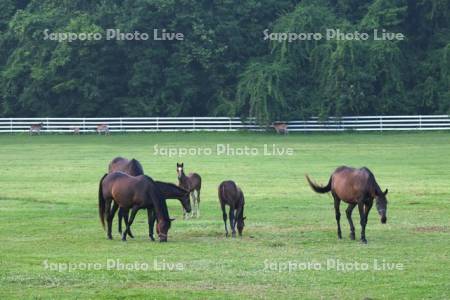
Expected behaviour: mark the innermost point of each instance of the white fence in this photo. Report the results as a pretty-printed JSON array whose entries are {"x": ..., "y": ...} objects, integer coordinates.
[{"x": 361, "y": 123}]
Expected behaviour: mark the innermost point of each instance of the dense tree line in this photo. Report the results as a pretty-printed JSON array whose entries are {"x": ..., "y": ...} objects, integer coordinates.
[{"x": 224, "y": 65}]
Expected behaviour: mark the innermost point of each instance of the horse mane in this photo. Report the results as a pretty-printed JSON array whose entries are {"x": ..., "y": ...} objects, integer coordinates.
[
  {"x": 161, "y": 201},
  {"x": 170, "y": 185},
  {"x": 373, "y": 182},
  {"x": 136, "y": 167},
  {"x": 240, "y": 210}
]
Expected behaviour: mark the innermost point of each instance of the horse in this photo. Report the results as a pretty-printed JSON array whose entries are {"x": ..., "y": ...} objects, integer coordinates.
[
  {"x": 230, "y": 194},
  {"x": 131, "y": 192},
  {"x": 168, "y": 190},
  {"x": 355, "y": 187},
  {"x": 36, "y": 128},
  {"x": 131, "y": 167},
  {"x": 102, "y": 128},
  {"x": 280, "y": 127},
  {"x": 192, "y": 183}
]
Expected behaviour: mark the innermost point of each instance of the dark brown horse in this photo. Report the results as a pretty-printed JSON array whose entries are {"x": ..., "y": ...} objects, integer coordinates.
[
  {"x": 168, "y": 190},
  {"x": 230, "y": 194},
  {"x": 131, "y": 167},
  {"x": 192, "y": 183},
  {"x": 355, "y": 187},
  {"x": 135, "y": 193}
]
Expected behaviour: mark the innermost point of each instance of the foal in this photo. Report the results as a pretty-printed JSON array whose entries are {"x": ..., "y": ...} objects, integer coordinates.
[
  {"x": 356, "y": 187},
  {"x": 230, "y": 194},
  {"x": 192, "y": 183}
]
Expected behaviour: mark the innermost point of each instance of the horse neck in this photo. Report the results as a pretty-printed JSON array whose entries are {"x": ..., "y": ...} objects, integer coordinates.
[
  {"x": 161, "y": 207},
  {"x": 240, "y": 211},
  {"x": 134, "y": 168},
  {"x": 169, "y": 191}
]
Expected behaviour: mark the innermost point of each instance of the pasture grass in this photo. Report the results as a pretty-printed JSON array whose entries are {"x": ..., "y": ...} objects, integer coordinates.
[{"x": 48, "y": 212}]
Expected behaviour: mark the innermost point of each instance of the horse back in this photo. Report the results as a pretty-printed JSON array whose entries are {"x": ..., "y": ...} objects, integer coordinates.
[
  {"x": 351, "y": 184},
  {"x": 195, "y": 181},
  {"x": 126, "y": 190},
  {"x": 229, "y": 193}
]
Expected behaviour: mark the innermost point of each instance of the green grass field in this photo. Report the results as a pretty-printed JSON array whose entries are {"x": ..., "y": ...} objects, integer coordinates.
[{"x": 48, "y": 213}]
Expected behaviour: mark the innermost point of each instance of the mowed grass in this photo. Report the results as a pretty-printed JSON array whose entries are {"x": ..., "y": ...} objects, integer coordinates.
[{"x": 48, "y": 211}]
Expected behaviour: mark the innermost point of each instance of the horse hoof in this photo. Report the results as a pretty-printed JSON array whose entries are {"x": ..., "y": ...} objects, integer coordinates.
[
  {"x": 364, "y": 241},
  {"x": 130, "y": 235},
  {"x": 233, "y": 235},
  {"x": 152, "y": 238},
  {"x": 352, "y": 236}
]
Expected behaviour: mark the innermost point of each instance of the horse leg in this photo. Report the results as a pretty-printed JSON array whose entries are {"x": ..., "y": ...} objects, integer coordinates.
[
  {"x": 125, "y": 216},
  {"x": 367, "y": 208},
  {"x": 151, "y": 216},
  {"x": 337, "y": 202},
  {"x": 111, "y": 213},
  {"x": 362, "y": 219},
  {"x": 120, "y": 216},
  {"x": 194, "y": 209},
  {"x": 107, "y": 213},
  {"x": 134, "y": 210},
  {"x": 232, "y": 222},
  {"x": 348, "y": 212},
  {"x": 224, "y": 215},
  {"x": 198, "y": 203}
]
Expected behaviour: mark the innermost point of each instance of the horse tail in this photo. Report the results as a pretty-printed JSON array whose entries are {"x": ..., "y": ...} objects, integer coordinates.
[
  {"x": 318, "y": 188},
  {"x": 101, "y": 202}
]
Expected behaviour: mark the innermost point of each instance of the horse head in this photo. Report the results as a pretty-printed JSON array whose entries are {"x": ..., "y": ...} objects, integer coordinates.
[{"x": 382, "y": 205}]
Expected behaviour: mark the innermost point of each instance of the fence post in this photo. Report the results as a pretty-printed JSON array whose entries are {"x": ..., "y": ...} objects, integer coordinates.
[
  {"x": 46, "y": 126},
  {"x": 229, "y": 122},
  {"x": 121, "y": 129},
  {"x": 420, "y": 122},
  {"x": 193, "y": 120},
  {"x": 157, "y": 124},
  {"x": 11, "y": 125},
  {"x": 381, "y": 123}
]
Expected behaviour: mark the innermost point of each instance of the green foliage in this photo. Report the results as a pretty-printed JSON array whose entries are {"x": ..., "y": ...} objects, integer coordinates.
[{"x": 224, "y": 66}]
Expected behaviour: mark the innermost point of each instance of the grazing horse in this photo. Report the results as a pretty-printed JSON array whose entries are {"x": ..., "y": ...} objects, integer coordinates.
[
  {"x": 133, "y": 193},
  {"x": 280, "y": 127},
  {"x": 36, "y": 128},
  {"x": 192, "y": 183},
  {"x": 102, "y": 128},
  {"x": 355, "y": 187},
  {"x": 230, "y": 194},
  {"x": 168, "y": 190}
]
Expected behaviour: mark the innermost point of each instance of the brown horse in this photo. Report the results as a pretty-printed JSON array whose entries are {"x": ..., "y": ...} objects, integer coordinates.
[
  {"x": 230, "y": 194},
  {"x": 192, "y": 183},
  {"x": 36, "y": 128},
  {"x": 133, "y": 193},
  {"x": 168, "y": 190},
  {"x": 102, "y": 128},
  {"x": 355, "y": 187},
  {"x": 131, "y": 167}
]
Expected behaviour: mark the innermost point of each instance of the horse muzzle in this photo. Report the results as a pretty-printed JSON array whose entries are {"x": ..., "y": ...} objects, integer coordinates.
[{"x": 162, "y": 238}]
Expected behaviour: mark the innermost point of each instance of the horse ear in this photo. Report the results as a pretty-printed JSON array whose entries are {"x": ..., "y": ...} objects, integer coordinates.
[{"x": 385, "y": 192}]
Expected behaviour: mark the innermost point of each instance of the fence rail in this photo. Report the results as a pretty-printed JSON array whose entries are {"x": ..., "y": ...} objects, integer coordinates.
[{"x": 359, "y": 123}]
